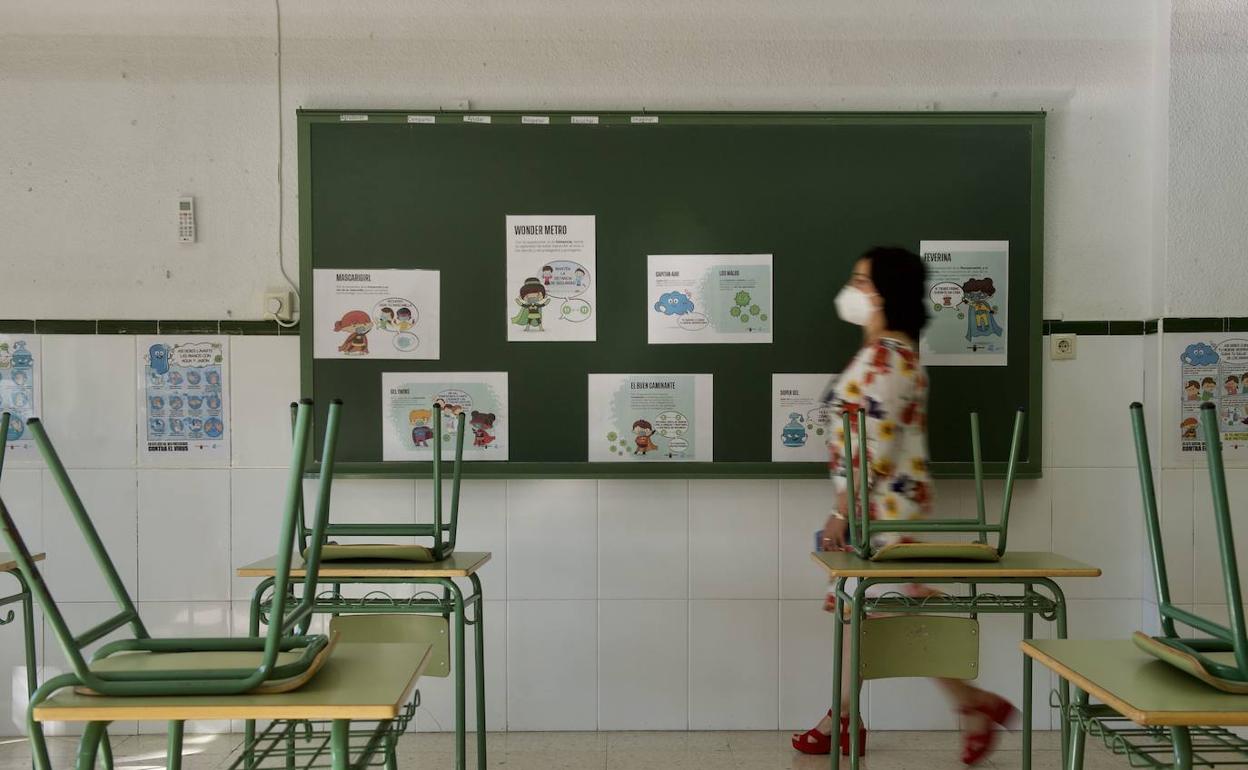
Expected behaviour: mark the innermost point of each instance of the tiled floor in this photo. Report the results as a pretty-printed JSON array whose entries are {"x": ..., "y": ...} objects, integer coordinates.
[{"x": 604, "y": 751}]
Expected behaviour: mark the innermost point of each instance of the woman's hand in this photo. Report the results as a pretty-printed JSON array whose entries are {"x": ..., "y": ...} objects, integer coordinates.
[{"x": 835, "y": 534}]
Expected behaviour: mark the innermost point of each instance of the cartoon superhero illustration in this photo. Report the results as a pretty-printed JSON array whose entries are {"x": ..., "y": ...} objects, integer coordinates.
[
  {"x": 1232, "y": 385},
  {"x": 532, "y": 298},
  {"x": 548, "y": 272},
  {"x": 794, "y": 433},
  {"x": 213, "y": 427},
  {"x": 578, "y": 277},
  {"x": 193, "y": 377},
  {"x": 980, "y": 315},
  {"x": 16, "y": 427},
  {"x": 421, "y": 432},
  {"x": 1188, "y": 426},
  {"x": 6, "y": 358},
  {"x": 1192, "y": 390},
  {"x": 156, "y": 425},
  {"x": 385, "y": 318},
  {"x": 214, "y": 401},
  {"x": 175, "y": 378},
  {"x": 674, "y": 303},
  {"x": 643, "y": 430},
  {"x": 482, "y": 423},
  {"x": 1207, "y": 388},
  {"x": 195, "y": 424},
  {"x": 156, "y": 403},
  {"x": 358, "y": 324},
  {"x": 175, "y": 427},
  {"x": 403, "y": 319},
  {"x": 158, "y": 358},
  {"x": 214, "y": 376},
  {"x": 194, "y": 402},
  {"x": 175, "y": 402}
]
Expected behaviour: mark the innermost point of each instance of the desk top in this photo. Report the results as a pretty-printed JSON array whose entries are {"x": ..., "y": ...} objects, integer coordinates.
[
  {"x": 1137, "y": 685},
  {"x": 461, "y": 564},
  {"x": 361, "y": 680},
  {"x": 9, "y": 564},
  {"x": 1021, "y": 564}
]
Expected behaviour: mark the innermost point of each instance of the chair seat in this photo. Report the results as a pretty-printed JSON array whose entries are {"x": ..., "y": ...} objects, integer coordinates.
[
  {"x": 151, "y": 662},
  {"x": 1190, "y": 663},
  {"x": 378, "y": 551},
  {"x": 941, "y": 551}
]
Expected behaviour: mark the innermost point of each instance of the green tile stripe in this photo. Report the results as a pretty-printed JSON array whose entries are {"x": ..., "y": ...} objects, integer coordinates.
[{"x": 1194, "y": 324}]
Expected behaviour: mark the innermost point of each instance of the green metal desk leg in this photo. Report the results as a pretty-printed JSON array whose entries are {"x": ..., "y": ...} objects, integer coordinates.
[
  {"x": 1063, "y": 687},
  {"x": 392, "y": 763},
  {"x": 106, "y": 752},
  {"x": 253, "y": 630},
  {"x": 338, "y": 743},
  {"x": 1074, "y": 750},
  {"x": 28, "y": 628},
  {"x": 479, "y": 632},
  {"x": 89, "y": 745},
  {"x": 174, "y": 751},
  {"x": 855, "y": 673},
  {"x": 1029, "y": 629},
  {"x": 461, "y": 710},
  {"x": 1182, "y": 740},
  {"x": 838, "y": 652}
]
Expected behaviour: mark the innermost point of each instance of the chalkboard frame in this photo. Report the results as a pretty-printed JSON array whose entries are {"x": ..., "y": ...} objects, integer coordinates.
[{"x": 1029, "y": 467}]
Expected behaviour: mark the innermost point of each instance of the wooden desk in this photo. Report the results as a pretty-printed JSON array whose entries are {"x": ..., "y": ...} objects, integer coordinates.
[
  {"x": 9, "y": 565},
  {"x": 1148, "y": 692},
  {"x": 453, "y": 602},
  {"x": 1027, "y": 569}
]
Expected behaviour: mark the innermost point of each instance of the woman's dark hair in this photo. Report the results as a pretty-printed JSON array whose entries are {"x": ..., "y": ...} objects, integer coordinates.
[{"x": 900, "y": 280}]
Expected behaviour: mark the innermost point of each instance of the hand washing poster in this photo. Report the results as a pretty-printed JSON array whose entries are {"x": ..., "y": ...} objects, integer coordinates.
[
  {"x": 364, "y": 314},
  {"x": 799, "y": 418},
  {"x": 968, "y": 288},
  {"x": 1213, "y": 370},
  {"x": 408, "y": 400},
  {"x": 552, "y": 293},
  {"x": 716, "y": 298},
  {"x": 650, "y": 418},
  {"x": 21, "y": 359},
  {"x": 183, "y": 401}
]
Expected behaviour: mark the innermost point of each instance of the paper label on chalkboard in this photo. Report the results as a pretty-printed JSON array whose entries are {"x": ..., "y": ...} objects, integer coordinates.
[
  {"x": 644, "y": 119},
  {"x": 552, "y": 279},
  {"x": 586, "y": 120},
  {"x": 709, "y": 298},
  {"x": 968, "y": 290},
  {"x": 363, "y": 314},
  {"x": 353, "y": 118},
  {"x": 799, "y": 418},
  {"x": 421, "y": 119},
  {"x": 21, "y": 386},
  {"x": 184, "y": 401},
  {"x": 476, "y": 118},
  {"x": 535, "y": 120},
  {"x": 407, "y": 414},
  {"x": 651, "y": 418}
]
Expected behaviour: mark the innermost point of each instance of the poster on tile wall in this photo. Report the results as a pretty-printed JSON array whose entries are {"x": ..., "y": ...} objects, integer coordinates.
[
  {"x": 1212, "y": 369},
  {"x": 21, "y": 359},
  {"x": 183, "y": 401}
]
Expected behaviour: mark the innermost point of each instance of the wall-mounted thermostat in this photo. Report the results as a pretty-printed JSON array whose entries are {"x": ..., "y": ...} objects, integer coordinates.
[{"x": 186, "y": 220}]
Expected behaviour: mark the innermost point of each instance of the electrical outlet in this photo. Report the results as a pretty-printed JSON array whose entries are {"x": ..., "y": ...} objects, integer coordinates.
[
  {"x": 1062, "y": 347},
  {"x": 279, "y": 306}
]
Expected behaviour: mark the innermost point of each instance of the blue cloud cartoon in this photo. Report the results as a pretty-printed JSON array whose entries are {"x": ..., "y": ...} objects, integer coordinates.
[
  {"x": 158, "y": 356},
  {"x": 1200, "y": 354},
  {"x": 674, "y": 303}
]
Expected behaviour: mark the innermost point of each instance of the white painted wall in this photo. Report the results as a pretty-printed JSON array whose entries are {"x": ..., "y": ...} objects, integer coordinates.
[
  {"x": 1207, "y": 261},
  {"x": 115, "y": 107}
]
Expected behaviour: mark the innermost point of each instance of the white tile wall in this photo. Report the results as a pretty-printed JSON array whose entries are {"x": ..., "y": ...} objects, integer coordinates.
[{"x": 612, "y": 604}]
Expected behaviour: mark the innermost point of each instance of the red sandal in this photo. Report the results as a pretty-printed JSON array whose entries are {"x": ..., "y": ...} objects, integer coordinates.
[
  {"x": 814, "y": 742},
  {"x": 977, "y": 745}
]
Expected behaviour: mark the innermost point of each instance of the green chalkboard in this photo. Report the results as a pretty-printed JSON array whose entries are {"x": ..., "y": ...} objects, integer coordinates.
[{"x": 813, "y": 189}]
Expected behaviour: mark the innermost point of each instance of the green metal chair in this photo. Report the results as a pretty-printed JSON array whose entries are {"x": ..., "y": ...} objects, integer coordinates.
[
  {"x": 862, "y": 527},
  {"x": 1221, "y": 659},
  {"x": 142, "y": 666},
  {"x": 441, "y": 531}
]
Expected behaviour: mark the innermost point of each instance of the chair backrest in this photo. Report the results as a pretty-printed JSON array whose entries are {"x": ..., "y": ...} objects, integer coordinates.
[
  {"x": 862, "y": 527},
  {"x": 1233, "y": 634},
  {"x": 297, "y": 617},
  {"x": 442, "y": 531}
]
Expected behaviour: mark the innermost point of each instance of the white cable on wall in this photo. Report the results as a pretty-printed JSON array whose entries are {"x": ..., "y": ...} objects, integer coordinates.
[{"x": 281, "y": 197}]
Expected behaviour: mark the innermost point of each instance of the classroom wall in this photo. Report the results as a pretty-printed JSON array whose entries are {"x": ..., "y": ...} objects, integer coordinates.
[
  {"x": 1206, "y": 273},
  {"x": 123, "y": 105}
]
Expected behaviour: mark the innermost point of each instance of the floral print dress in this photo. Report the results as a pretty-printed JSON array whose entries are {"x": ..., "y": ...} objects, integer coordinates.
[{"x": 886, "y": 380}]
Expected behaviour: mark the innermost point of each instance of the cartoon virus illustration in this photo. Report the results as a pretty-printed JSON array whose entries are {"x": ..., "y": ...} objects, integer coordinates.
[{"x": 674, "y": 303}]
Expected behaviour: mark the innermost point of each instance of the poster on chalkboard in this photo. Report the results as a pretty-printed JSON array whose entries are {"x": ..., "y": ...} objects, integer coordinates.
[
  {"x": 363, "y": 314},
  {"x": 799, "y": 418},
  {"x": 650, "y": 418},
  {"x": 552, "y": 286},
  {"x": 408, "y": 400},
  {"x": 21, "y": 378},
  {"x": 708, "y": 298},
  {"x": 968, "y": 288},
  {"x": 184, "y": 401}
]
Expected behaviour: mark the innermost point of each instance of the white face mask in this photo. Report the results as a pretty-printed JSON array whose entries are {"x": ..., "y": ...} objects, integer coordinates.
[{"x": 854, "y": 306}]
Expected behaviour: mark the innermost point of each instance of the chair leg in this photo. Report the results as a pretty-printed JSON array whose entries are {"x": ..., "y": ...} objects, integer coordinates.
[
  {"x": 174, "y": 752},
  {"x": 89, "y": 745},
  {"x": 106, "y": 752}
]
